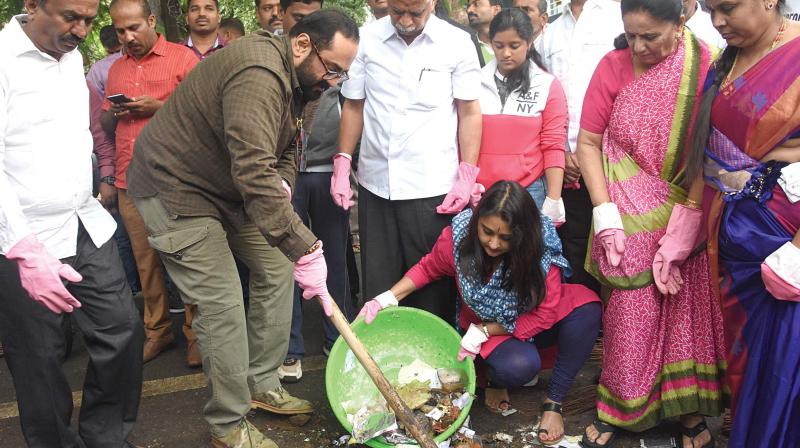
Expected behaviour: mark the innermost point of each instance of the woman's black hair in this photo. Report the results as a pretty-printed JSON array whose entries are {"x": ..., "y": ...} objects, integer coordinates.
[
  {"x": 518, "y": 20},
  {"x": 663, "y": 10},
  {"x": 514, "y": 205},
  {"x": 702, "y": 125}
]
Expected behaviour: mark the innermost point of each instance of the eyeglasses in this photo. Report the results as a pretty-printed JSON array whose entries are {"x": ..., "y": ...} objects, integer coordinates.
[{"x": 330, "y": 74}]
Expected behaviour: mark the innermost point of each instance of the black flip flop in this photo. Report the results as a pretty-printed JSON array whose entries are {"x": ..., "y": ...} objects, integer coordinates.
[
  {"x": 602, "y": 428},
  {"x": 551, "y": 407},
  {"x": 695, "y": 431}
]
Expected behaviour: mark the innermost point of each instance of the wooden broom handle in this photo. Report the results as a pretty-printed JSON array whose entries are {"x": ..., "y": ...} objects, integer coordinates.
[{"x": 402, "y": 412}]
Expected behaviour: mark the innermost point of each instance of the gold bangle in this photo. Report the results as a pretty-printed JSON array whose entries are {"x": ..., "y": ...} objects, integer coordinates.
[
  {"x": 313, "y": 247},
  {"x": 485, "y": 330},
  {"x": 691, "y": 203}
]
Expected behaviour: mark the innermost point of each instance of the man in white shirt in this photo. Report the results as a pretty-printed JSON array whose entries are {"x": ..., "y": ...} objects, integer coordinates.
[
  {"x": 571, "y": 50},
  {"x": 55, "y": 239},
  {"x": 699, "y": 22},
  {"x": 413, "y": 91},
  {"x": 537, "y": 11}
]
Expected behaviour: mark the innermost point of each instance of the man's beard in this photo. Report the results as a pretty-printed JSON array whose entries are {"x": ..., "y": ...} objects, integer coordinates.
[{"x": 312, "y": 88}]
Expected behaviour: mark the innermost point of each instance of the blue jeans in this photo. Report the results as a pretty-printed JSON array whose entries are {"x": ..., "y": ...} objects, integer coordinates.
[
  {"x": 515, "y": 362},
  {"x": 538, "y": 191},
  {"x": 330, "y": 223}
]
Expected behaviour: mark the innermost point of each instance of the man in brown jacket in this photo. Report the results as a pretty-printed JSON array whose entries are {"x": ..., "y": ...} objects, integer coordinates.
[{"x": 211, "y": 176}]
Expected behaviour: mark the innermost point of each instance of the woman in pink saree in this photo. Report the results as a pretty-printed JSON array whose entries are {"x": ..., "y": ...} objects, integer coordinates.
[
  {"x": 748, "y": 146},
  {"x": 663, "y": 346}
]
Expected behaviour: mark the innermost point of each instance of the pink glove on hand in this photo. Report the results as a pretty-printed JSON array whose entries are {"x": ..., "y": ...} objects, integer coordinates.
[
  {"x": 287, "y": 189},
  {"x": 311, "y": 274},
  {"x": 371, "y": 308},
  {"x": 40, "y": 274},
  {"x": 341, "y": 192},
  {"x": 460, "y": 193},
  {"x": 477, "y": 194},
  {"x": 609, "y": 230},
  {"x": 471, "y": 342},
  {"x": 781, "y": 273},
  {"x": 676, "y": 245}
]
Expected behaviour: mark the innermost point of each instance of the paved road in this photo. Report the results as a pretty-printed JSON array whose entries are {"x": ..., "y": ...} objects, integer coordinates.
[{"x": 173, "y": 395}]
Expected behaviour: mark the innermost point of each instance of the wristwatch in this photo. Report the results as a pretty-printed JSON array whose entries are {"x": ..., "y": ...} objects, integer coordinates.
[{"x": 108, "y": 180}]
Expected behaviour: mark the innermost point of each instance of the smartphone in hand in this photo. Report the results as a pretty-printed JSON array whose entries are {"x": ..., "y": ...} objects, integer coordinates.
[{"x": 119, "y": 99}]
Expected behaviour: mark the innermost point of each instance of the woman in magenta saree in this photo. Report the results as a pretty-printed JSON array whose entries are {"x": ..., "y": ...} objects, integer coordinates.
[{"x": 753, "y": 140}]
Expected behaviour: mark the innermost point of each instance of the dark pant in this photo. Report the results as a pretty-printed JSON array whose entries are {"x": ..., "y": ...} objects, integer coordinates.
[
  {"x": 313, "y": 203},
  {"x": 514, "y": 362},
  {"x": 575, "y": 235},
  {"x": 126, "y": 253},
  {"x": 34, "y": 345},
  {"x": 395, "y": 235}
]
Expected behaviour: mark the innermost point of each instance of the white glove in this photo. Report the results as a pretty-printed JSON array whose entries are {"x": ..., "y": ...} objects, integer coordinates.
[
  {"x": 473, "y": 339},
  {"x": 606, "y": 216},
  {"x": 781, "y": 273},
  {"x": 554, "y": 210}
]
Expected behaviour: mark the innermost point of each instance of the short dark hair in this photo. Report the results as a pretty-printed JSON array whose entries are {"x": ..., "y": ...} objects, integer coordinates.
[
  {"x": 108, "y": 37},
  {"x": 285, "y": 3},
  {"x": 189, "y": 3},
  {"x": 146, "y": 11},
  {"x": 542, "y": 7},
  {"x": 322, "y": 25},
  {"x": 496, "y": 3},
  {"x": 232, "y": 23}
]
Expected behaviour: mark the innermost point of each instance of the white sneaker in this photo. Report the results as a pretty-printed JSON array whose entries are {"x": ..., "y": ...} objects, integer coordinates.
[
  {"x": 290, "y": 371},
  {"x": 532, "y": 382}
]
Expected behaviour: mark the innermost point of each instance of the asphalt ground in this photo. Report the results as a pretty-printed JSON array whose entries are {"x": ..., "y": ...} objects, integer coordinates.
[{"x": 173, "y": 396}]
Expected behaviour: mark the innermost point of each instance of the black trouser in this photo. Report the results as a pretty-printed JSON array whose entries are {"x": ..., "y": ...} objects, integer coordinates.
[
  {"x": 34, "y": 345},
  {"x": 575, "y": 234},
  {"x": 395, "y": 235},
  {"x": 312, "y": 201}
]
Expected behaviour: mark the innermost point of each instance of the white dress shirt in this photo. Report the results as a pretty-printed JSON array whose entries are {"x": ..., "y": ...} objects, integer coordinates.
[
  {"x": 45, "y": 148},
  {"x": 409, "y": 147},
  {"x": 571, "y": 50},
  {"x": 701, "y": 26}
]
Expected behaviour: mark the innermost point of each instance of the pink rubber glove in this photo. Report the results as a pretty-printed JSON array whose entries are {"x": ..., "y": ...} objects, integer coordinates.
[
  {"x": 781, "y": 273},
  {"x": 341, "y": 192},
  {"x": 41, "y": 274},
  {"x": 613, "y": 242},
  {"x": 608, "y": 228},
  {"x": 287, "y": 189},
  {"x": 311, "y": 274},
  {"x": 676, "y": 245},
  {"x": 382, "y": 301},
  {"x": 460, "y": 193},
  {"x": 477, "y": 194},
  {"x": 471, "y": 342}
]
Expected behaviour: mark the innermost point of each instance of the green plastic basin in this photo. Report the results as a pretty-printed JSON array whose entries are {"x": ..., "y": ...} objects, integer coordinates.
[{"x": 396, "y": 337}]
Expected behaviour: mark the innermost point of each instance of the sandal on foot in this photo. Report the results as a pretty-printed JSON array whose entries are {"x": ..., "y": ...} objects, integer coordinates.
[
  {"x": 695, "y": 431},
  {"x": 503, "y": 406},
  {"x": 602, "y": 428},
  {"x": 551, "y": 407}
]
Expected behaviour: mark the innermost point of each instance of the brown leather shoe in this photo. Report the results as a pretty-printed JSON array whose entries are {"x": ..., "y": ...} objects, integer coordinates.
[
  {"x": 193, "y": 357},
  {"x": 154, "y": 347}
]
